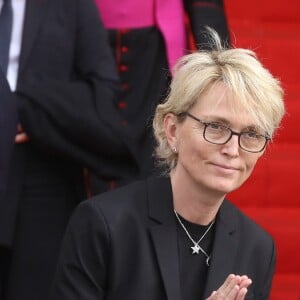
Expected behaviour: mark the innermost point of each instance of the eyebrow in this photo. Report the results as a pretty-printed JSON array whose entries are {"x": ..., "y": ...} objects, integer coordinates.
[
  {"x": 226, "y": 122},
  {"x": 216, "y": 119}
]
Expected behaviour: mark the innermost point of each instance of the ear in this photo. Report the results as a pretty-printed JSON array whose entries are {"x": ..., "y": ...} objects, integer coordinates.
[{"x": 170, "y": 125}]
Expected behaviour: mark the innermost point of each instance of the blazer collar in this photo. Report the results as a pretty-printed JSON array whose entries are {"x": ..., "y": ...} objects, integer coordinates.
[
  {"x": 225, "y": 247},
  {"x": 160, "y": 199},
  {"x": 164, "y": 237},
  {"x": 34, "y": 14}
]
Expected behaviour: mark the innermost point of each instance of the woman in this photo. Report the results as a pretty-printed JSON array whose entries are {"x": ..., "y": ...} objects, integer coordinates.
[{"x": 177, "y": 237}]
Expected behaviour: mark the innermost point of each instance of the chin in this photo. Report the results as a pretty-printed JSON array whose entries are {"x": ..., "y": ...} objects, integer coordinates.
[{"x": 225, "y": 187}]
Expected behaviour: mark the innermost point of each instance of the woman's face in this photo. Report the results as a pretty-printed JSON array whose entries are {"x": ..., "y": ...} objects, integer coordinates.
[{"x": 216, "y": 168}]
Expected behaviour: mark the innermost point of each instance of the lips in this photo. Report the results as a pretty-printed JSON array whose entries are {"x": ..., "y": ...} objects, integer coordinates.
[{"x": 226, "y": 167}]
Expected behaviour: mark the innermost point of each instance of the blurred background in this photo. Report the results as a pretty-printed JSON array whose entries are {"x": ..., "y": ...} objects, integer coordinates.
[{"x": 272, "y": 29}]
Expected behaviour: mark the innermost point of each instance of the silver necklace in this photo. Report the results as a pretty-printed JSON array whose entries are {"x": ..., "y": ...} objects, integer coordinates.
[{"x": 196, "y": 248}]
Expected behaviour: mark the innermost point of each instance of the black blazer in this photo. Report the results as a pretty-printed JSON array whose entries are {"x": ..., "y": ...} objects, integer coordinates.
[{"x": 123, "y": 245}]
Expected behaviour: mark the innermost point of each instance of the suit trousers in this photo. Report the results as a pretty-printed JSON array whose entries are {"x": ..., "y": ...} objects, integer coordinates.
[{"x": 47, "y": 191}]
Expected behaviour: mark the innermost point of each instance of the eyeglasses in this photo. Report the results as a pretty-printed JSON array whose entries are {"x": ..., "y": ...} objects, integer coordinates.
[{"x": 219, "y": 134}]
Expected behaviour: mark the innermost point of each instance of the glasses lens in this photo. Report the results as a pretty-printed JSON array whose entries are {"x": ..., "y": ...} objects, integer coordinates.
[
  {"x": 219, "y": 134},
  {"x": 216, "y": 133},
  {"x": 252, "y": 141}
]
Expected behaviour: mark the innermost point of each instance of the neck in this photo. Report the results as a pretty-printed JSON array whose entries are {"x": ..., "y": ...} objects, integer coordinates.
[{"x": 193, "y": 202}]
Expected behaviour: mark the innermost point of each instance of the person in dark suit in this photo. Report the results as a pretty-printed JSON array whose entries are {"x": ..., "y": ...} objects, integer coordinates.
[
  {"x": 8, "y": 129},
  {"x": 177, "y": 236},
  {"x": 64, "y": 80}
]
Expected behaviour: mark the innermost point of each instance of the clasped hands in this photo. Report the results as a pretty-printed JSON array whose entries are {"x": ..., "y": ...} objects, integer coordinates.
[
  {"x": 21, "y": 136},
  {"x": 235, "y": 287}
]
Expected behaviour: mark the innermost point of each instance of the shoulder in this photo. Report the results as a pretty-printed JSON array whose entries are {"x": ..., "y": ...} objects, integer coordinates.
[
  {"x": 130, "y": 202},
  {"x": 101, "y": 213},
  {"x": 117, "y": 204},
  {"x": 121, "y": 196},
  {"x": 127, "y": 195},
  {"x": 246, "y": 226}
]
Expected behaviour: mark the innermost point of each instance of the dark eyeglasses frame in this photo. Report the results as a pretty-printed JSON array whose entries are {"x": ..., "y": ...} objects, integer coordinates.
[{"x": 239, "y": 134}]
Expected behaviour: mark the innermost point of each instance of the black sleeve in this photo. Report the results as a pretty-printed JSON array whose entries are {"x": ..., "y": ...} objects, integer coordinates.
[
  {"x": 8, "y": 129},
  {"x": 82, "y": 266},
  {"x": 207, "y": 13},
  {"x": 74, "y": 115},
  {"x": 265, "y": 293}
]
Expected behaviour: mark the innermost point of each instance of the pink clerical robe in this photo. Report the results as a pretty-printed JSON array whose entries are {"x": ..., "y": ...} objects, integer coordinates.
[{"x": 167, "y": 15}]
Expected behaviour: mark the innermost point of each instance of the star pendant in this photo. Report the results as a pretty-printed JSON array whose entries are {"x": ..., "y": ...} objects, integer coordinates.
[{"x": 195, "y": 249}]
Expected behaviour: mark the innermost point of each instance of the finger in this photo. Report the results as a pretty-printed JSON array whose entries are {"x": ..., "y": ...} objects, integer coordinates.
[
  {"x": 228, "y": 290},
  {"x": 244, "y": 277},
  {"x": 242, "y": 294},
  {"x": 245, "y": 283},
  {"x": 229, "y": 285},
  {"x": 213, "y": 296},
  {"x": 232, "y": 293},
  {"x": 21, "y": 138},
  {"x": 238, "y": 279},
  {"x": 230, "y": 278}
]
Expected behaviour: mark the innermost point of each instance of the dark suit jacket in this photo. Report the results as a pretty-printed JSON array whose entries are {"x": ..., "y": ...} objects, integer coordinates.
[
  {"x": 8, "y": 128},
  {"x": 123, "y": 245},
  {"x": 65, "y": 89},
  {"x": 66, "y": 86}
]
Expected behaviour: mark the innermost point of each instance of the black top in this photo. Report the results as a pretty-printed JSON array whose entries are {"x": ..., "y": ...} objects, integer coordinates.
[{"x": 193, "y": 267}]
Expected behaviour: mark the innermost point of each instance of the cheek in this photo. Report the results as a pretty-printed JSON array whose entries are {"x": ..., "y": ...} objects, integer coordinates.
[
  {"x": 250, "y": 163},
  {"x": 191, "y": 154},
  {"x": 187, "y": 145},
  {"x": 196, "y": 151}
]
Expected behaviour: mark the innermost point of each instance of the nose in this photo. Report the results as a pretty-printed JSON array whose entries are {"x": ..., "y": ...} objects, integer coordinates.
[{"x": 232, "y": 147}]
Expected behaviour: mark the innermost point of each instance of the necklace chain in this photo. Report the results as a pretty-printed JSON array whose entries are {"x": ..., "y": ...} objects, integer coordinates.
[{"x": 196, "y": 248}]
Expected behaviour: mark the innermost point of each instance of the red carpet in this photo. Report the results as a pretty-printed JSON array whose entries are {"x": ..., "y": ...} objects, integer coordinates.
[{"x": 271, "y": 196}]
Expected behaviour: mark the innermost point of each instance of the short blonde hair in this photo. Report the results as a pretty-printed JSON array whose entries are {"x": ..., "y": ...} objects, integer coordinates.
[{"x": 256, "y": 90}]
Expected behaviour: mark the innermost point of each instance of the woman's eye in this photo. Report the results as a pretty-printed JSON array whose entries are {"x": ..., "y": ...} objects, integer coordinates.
[
  {"x": 215, "y": 126},
  {"x": 251, "y": 134}
]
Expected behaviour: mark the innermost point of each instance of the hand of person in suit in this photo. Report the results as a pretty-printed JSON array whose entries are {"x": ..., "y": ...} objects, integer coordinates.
[
  {"x": 235, "y": 287},
  {"x": 21, "y": 136}
]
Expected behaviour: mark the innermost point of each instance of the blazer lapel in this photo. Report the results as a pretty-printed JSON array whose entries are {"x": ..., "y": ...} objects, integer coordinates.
[
  {"x": 34, "y": 14},
  {"x": 164, "y": 238},
  {"x": 224, "y": 249},
  {"x": 164, "y": 235}
]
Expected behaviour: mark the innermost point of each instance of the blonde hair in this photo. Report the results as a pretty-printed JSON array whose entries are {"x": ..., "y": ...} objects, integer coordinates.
[{"x": 254, "y": 87}]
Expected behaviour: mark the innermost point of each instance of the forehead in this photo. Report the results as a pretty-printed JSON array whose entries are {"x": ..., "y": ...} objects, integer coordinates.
[{"x": 218, "y": 103}]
